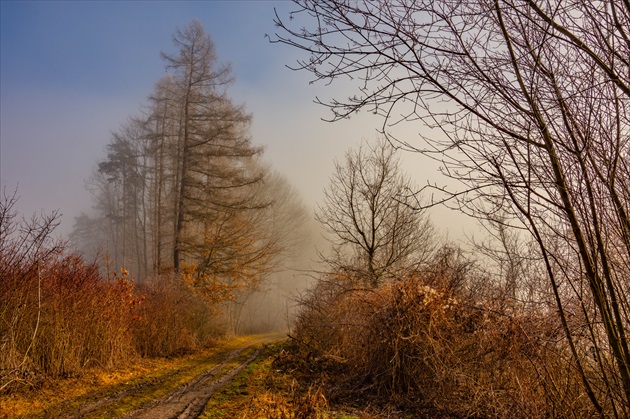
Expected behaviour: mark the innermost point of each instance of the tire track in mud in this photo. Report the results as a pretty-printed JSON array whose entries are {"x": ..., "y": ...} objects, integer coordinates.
[{"x": 187, "y": 400}]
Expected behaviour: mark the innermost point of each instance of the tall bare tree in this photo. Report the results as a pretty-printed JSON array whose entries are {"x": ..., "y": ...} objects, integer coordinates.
[
  {"x": 213, "y": 132},
  {"x": 182, "y": 189},
  {"x": 375, "y": 234},
  {"x": 528, "y": 106},
  {"x": 162, "y": 124}
]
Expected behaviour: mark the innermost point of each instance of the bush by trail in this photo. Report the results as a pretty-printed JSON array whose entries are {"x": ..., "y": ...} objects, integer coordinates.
[{"x": 436, "y": 348}]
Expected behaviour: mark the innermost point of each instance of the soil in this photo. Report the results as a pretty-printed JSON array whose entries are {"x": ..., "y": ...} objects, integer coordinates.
[{"x": 188, "y": 400}]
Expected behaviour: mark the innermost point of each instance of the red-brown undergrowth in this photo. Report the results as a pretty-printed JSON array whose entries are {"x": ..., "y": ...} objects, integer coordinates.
[
  {"x": 59, "y": 316},
  {"x": 172, "y": 319},
  {"x": 438, "y": 350}
]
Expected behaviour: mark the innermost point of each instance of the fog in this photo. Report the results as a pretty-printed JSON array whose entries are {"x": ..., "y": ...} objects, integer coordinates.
[
  {"x": 274, "y": 306},
  {"x": 73, "y": 73}
]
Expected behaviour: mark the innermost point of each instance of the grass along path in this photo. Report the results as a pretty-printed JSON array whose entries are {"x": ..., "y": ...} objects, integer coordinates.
[
  {"x": 263, "y": 391},
  {"x": 130, "y": 391}
]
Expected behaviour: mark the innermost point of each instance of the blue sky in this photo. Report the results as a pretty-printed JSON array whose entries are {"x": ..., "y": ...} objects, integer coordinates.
[
  {"x": 98, "y": 47},
  {"x": 72, "y": 72}
]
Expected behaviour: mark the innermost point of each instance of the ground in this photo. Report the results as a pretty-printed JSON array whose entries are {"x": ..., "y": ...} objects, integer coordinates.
[
  {"x": 155, "y": 388},
  {"x": 238, "y": 378}
]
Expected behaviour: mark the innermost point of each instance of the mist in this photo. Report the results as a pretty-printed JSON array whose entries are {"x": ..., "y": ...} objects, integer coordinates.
[{"x": 68, "y": 87}]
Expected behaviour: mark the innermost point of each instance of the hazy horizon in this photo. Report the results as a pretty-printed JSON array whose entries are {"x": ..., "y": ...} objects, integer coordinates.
[{"x": 72, "y": 73}]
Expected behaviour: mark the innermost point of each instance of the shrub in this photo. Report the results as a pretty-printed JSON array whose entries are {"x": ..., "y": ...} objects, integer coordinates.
[
  {"x": 57, "y": 314},
  {"x": 428, "y": 347},
  {"x": 85, "y": 320},
  {"x": 62, "y": 317},
  {"x": 172, "y": 319}
]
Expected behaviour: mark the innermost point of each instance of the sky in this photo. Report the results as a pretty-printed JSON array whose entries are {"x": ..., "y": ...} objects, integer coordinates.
[{"x": 73, "y": 72}]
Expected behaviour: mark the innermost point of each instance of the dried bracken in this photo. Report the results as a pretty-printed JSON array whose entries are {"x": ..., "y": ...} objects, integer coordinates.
[{"x": 430, "y": 348}]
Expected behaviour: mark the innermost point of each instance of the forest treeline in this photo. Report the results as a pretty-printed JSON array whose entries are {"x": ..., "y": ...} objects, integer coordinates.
[
  {"x": 183, "y": 189},
  {"x": 188, "y": 223}
]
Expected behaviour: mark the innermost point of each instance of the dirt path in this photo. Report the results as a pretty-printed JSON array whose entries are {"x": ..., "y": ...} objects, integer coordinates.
[
  {"x": 185, "y": 401},
  {"x": 188, "y": 400}
]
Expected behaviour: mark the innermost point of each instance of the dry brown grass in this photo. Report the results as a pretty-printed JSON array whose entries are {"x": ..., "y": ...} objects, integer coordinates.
[
  {"x": 269, "y": 405},
  {"x": 270, "y": 388}
]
